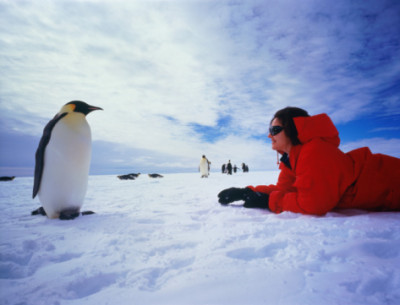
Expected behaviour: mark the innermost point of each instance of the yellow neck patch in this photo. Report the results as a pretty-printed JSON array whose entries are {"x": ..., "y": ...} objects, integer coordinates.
[{"x": 68, "y": 108}]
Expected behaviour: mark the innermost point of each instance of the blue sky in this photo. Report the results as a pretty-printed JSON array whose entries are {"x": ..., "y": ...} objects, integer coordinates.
[{"x": 179, "y": 79}]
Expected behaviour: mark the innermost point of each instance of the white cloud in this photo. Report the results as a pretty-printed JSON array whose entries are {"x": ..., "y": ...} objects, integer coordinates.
[
  {"x": 377, "y": 145},
  {"x": 160, "y": 67}
]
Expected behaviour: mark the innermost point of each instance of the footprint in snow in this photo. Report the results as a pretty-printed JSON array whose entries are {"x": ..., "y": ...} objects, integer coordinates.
[
  {"x": 384, "y": 250},
  {"x": 248, "y": 254},
  {"x": 152, "y": 279},
  {"x": 26, "y": 261},
  {"x": 85, "y": 287}
]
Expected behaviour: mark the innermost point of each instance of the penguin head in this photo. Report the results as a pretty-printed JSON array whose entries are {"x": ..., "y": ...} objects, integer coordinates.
[{"x": 79, "y": 107}]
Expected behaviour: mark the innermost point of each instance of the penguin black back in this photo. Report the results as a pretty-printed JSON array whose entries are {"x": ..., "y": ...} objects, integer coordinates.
[{"x": 39, "y": 157}]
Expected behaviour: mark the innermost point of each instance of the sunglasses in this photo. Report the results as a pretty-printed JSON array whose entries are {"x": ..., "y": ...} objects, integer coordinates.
[{"x": 274, "y": 130}]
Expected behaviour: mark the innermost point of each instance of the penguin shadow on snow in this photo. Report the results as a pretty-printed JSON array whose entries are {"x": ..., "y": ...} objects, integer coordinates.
[
  {"x": 64, "y": 215},
  {"x": 62, "y": 163}
]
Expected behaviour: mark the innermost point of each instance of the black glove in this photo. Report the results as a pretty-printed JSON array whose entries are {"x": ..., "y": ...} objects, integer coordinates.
[
  {"x": 251, "y": 199},
  {"x": 256, "y": 200},
  {"x": 230, "y": 195}
]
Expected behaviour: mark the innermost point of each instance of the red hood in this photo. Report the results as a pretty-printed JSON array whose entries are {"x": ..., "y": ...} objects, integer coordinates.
[{"x": 317, "y": 126}]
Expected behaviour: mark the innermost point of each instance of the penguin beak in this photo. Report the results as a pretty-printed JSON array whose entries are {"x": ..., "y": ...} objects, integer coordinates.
[{"x": 93, "y": 108}]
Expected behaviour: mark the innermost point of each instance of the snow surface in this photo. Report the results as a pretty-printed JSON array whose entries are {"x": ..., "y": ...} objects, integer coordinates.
[{"x": 168, "y": 241}]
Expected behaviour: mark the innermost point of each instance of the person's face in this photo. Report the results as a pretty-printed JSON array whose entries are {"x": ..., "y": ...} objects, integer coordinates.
[{"x": 280, "y": 142}]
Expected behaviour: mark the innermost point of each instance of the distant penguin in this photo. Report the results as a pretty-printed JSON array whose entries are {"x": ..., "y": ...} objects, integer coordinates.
[
  {"x": 204, "y": 167},
  {"x": 229, "y": 167},
  {"x": 132, "y": 176},
  {"x": 62, "y": 162},
  {"x": 7, "y": 178},
  {"x": 155, "y": 176}
]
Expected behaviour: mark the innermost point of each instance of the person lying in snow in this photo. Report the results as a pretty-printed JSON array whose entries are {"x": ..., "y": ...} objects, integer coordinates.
[{"x": 316, "y": 176}]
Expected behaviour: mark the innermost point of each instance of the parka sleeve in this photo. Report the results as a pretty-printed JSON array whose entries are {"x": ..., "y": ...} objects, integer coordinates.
[
  {"x": 322, "y": 175},
  {"x": 285, "y": 182}
]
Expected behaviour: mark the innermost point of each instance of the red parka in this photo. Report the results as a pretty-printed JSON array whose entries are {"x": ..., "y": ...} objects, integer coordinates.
[{"x": 322, "y": 177}]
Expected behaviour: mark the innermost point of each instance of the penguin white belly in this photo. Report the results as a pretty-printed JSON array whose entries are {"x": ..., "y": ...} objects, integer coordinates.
[
  {"x": 66, "y": 168},
  {"x": 204, "y": 167}
]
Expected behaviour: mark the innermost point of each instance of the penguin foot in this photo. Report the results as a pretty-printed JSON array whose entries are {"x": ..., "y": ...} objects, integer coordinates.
[
  {"x": 68, "y": 214},
  {"x": 39, "y": 211}
]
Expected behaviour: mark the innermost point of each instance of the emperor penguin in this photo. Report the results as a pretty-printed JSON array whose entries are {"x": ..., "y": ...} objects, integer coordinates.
[
  {"x": 62, "y": 162},
  {"x": 204, "y": 167}
]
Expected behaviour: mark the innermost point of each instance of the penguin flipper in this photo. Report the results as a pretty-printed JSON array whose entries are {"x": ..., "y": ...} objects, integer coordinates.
[{"x": 39, "y": 157}]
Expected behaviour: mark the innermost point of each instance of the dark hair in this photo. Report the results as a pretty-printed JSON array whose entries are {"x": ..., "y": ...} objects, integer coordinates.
[{"x": 286, "y": 116}]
